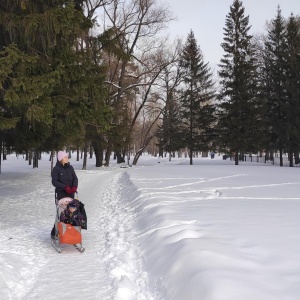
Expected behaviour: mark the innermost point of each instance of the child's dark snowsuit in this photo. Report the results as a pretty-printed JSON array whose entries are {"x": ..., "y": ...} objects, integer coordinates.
[{"x": 75, "y": 218}]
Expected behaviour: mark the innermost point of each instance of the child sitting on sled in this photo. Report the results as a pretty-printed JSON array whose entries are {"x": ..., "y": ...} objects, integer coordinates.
[{"x": 71, "y": 215}]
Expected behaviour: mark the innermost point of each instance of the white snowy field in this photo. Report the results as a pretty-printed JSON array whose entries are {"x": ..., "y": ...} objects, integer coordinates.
[{"x": 156, "y": 231}]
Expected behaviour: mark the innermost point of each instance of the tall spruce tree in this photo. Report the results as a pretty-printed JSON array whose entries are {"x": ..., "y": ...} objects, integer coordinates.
[
  {"x": 274, "y": 79},
  {"x": 238, "y": 110},
  {"x": 168, "y": 134},
  {"x": 292, "y": 59},
  {"x": 197, "y": 110}
]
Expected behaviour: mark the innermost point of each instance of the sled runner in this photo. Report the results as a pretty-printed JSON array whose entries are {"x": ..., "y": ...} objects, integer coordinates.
[{"x": 68, "y": 224}]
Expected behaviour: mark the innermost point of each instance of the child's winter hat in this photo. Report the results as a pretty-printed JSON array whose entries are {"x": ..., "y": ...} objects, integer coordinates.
[
  {"x": 61, "y": 155},
  {"x": 72, "y": 204}
]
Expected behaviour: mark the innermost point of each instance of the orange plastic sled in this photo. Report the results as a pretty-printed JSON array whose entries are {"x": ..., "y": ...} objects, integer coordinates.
[{"x": 69, "y": 234}]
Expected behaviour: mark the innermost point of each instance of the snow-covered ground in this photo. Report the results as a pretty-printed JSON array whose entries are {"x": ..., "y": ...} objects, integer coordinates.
[{"x": 157, "y": 231}]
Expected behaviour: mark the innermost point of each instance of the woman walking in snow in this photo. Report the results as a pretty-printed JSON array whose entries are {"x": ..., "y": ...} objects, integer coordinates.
[{"x": 64, "y": 179}]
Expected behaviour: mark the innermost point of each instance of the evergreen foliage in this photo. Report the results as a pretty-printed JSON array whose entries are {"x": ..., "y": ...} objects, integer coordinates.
[
  {"x": 281, "y": 75},
  {"x": 168, "y": 135},
  {"x": 292, "y": 58},
  {"x": 197, "y": 110},
  {"x": 50, "y": 83},
  {"x": 239, "y": 106},
  {"x": 274, "y": 83}
]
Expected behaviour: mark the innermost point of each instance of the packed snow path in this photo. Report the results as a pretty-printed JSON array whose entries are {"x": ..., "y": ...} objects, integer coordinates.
[{"x": 36, "y": 271}]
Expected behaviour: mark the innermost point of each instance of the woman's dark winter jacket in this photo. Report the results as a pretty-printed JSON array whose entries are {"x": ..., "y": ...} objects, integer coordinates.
[{"x": 63, "y": 176}]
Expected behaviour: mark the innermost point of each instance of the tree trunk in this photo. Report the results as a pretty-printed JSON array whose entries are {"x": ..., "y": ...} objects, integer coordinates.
[
  {"x": 84, "y": 158},
  {"x": 236, "y": 158},
  {"x": 128, "y": 157},
  {"x": 29, "y": 157},
  {"x": 291, "y": 158},
  {"x": 281, "y": 158},
  {"x": 136, "y": 157},
  {"x": 91, "y": 152},
  {"x": 160, "y": 151},
  {"x": 3, "y": 152},
  {"x": 191, "y": 156},
  {"x": 0, "y": 150},
  {"x": 107, "y": 156},
  {"x": 119, "y": 157},
  {"x": 35, "y": 160},
  {"x": 78, "y": 154},
  {"x": 123, "y": 155},
  {"x": 51, "y": 159},
  {"x": 98, "y": 154},
  {"x": 296, "y": 158}
]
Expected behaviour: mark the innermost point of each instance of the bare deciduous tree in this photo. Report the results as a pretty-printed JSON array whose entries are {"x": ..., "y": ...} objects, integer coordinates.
[{"x": 136, "y": 26}]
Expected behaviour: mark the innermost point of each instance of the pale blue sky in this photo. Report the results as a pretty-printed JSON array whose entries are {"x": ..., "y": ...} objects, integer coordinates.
[{"x": 207, "y": 19}]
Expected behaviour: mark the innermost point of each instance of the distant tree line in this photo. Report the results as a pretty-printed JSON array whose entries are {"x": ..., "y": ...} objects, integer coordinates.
[
  {"x": 97, "y": 77},
  {"x": 260, "y": 87},
  {"x": 255, "y": 107}
]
